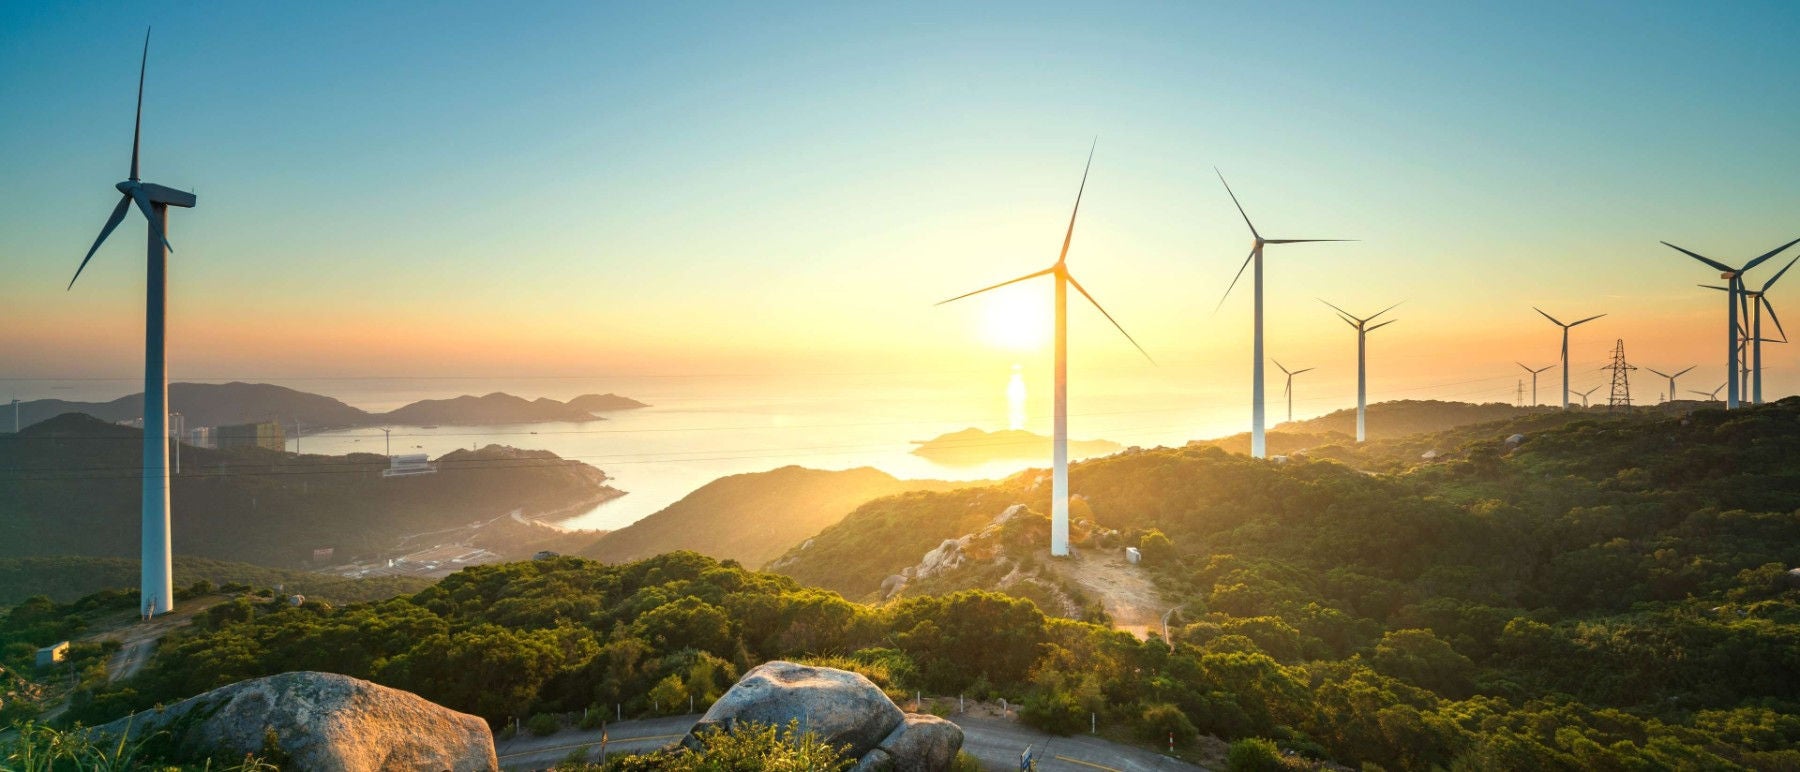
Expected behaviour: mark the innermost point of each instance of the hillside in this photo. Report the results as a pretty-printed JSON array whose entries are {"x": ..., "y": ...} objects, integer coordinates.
[
  {"x": 216, "y": 404},
  {"x": 1388, "y": 420},
  {"x": 970, "y": 447},
  {"x": 64, "y": 578},
  {"x": 495, "y": 408},
  {"x": 751, "y": 518},
  {"x": 209, "y": 404},
  {"x": 73, "y": 489},
  {"x": 604, "y": 403}
]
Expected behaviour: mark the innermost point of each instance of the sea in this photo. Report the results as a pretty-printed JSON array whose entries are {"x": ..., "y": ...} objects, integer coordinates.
[{"x": 699, "y": 429}]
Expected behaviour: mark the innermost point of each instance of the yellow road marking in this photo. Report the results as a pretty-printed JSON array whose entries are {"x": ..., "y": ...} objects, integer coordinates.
[
  {"x": 1088, "y": 764},
  {"x": 594, "y": 744}
]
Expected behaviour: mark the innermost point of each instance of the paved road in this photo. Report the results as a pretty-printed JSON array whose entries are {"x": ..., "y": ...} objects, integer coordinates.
[{"x": 995, "y": 742}]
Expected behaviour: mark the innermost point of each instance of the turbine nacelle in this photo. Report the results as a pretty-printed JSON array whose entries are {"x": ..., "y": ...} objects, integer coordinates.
[{"x": 158, "y": 194}]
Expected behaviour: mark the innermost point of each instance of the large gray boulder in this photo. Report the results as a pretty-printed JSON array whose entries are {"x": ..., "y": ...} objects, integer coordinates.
[
  {"x": 843, "y": 708},
  {"x": 323, "y": 721}
]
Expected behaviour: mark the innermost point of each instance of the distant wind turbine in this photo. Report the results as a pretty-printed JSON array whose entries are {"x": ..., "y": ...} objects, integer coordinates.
[
  {"x": 1713, "y": 395},
  {"x": 1735, "y": 284},
  {"x": 1534, "y": 375},
  {"x": 1288, "y": 390},
  {"x": 1059, "y": 486},
  {"x": 1565, "y": 347},
  {"x": 1258, "y": 448},
  {"x": 1362, "y": 369},
  {"x": 1584, "y": 395},
  {"x": 156, "y": 585},
  {"x": 1671, "y": 377}
]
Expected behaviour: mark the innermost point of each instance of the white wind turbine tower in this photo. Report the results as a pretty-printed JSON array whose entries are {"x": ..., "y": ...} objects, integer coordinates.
[
  {"x": 1752, "y": 303},
  {"x": 1258, "y": 448},
  {"x": 1565, "y": 348},
  {"x": 1059, "y": 486},
  {"x": 155, "y": 582},
  {"x": 1734, "y": 278},
  {"x": 1534, "y": 375},
  {"x": 1671, "y": 377},
  {"x": 1288, "y": 390},
  {"x": 1362, "y": 369}
]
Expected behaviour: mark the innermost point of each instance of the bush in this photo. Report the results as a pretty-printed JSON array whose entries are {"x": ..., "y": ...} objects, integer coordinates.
[
  {"x": 1054, "y": 711},
  {"x": 1161, "y": 720},
  {"x": 1254, "y": 754},
  {"x": 543, "y": 725}
]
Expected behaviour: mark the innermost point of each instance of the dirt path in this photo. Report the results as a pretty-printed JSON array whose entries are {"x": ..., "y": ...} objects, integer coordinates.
[
  {"x": 1124, "y": 590},
  {"x": 138, "y": 639}
]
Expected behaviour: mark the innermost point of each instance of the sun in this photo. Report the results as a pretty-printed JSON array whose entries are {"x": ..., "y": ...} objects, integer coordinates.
[{"x": 1017, "y": 318}]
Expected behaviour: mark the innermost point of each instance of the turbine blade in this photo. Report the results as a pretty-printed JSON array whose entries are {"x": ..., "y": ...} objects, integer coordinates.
[
  {"x": 118, "y": 216},
  {"x": 1109, "y": 317},
  {"x": 997, "y": 286},
  {"x": 1723, "y": 268},
  {"x": 1279, "y": 367},
  {"x": 1307, "y": 370},
  {"x": 1522, "y": 366},
  {"x": 1234, "y": 280},
  {"x": 1714, "y": 286},
  {"x": 138, "y": 124},
  {"x": 1777, "y": 277},
  {"x": 1341, "y": 312},
  {"x": 1234, "y": 201},
  {"x": 1553, "y": 320},
  {"x": 1659, "y": 372},
  {"x": 1383, "y": 311},
  {"x": 1683, "y": 372},
  {"x": 156, "y": 223},
  {"x": 1304, "y": 241},
  {"x": 1766, "y": 255},
  {"x": 1064, "y": 255},
  {"x": 1773, "y": 318},
  {"x": 1289, "y": 388},
  {"x": 1585, "y": 321},
  {"x": 1379, "y": 326}
]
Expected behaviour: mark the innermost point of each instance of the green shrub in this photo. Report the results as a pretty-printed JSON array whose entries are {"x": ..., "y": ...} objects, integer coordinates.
[
  {"x": 1254, "y": 754},
  {"x": 543, "y": 725},
  {"x": 1160, "y": 720}
]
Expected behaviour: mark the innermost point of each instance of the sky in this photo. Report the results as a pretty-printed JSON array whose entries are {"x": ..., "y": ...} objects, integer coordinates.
[{"x": 593, "y": 189}]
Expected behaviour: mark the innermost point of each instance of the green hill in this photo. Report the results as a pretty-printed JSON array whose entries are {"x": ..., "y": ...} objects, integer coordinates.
[
  {"x": 73, "y": 488},
  {"x": 751, "y": 518},
  {"x": 1400, "y": 418},
  {"x": 64, "y": 578}
]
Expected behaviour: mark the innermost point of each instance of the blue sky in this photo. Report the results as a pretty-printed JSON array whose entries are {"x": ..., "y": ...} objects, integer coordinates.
[{"x": 668, "y": 186}]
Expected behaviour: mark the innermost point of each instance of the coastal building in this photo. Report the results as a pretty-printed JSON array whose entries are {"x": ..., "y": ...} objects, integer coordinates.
[
  {"x": 409, "y": 464},
  {"x": 51, "y": 655},
  {"x": 201, "y": 437},
  {"x": 266, "y": 434}
]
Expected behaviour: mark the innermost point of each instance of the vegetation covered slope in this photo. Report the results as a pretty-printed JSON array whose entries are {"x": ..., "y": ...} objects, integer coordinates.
[
  {"x": 1399, "y": 418},
  {"x": 65, "y": 578},
  {"x": 73, "y": 488},
  {"x": 751, "y": 518}
]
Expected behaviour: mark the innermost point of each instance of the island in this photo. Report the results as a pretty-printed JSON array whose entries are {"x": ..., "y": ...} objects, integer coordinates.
[{"x": 974, "y": 446}]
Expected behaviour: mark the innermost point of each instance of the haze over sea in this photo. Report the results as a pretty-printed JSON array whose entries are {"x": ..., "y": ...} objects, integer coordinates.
[{"x": 703, "y": 427}]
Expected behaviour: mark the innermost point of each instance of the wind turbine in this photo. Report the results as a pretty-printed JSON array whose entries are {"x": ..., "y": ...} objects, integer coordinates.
[
  {"x": 1751, "y": 303},
  {"x": 1534, "y": 375},
  {"x": 1671, "y": 378},
  {"x": 1362, "y": 370},
  {"x": 1714, "y": 394},
  {"x": 1258, "y": 448},
  {"x": 1059, "y": 485},
  {"x": 1565, "y": 347},
  {"x": 1288, "y": 390},
  {"x": 155, "y": 582},
  {"x": 1584, "y": 395},
  {"x": 1735, "y": 281}
]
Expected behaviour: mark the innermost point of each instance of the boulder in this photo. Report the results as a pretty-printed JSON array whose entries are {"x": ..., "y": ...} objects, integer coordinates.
[
  {"x": 841, "y": 707},
  {"x": 921, "y": 743},
  {"x": 322, "y": 721}
]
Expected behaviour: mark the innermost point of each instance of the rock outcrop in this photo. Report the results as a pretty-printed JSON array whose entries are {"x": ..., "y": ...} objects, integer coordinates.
[
  {"x": 322, "y": 721},
  {"x": 843, "y": 709}
]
